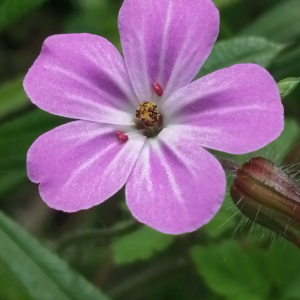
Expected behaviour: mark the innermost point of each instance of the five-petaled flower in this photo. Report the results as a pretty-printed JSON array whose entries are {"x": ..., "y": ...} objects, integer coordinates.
[{"x": 142, "y": 122}]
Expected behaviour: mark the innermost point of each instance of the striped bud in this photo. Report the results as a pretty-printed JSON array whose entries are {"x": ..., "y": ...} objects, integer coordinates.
[{"x": 268, "y": 196}]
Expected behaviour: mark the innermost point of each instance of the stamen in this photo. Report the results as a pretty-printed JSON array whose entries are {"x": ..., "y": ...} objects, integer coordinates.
[
  {"x": 122, "y": 136},
  {"x": 157, "y": 89},
  {"x": 148, "y": 114}
]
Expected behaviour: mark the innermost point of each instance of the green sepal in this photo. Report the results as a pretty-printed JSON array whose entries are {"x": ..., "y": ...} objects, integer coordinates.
[{"x": 287, "y": 86}]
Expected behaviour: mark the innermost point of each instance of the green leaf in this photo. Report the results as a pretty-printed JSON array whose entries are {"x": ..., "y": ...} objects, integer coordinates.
[
  {"x": 17, "y": 136},
  {"x": 12, "y": 10},
  {"x": 44, "y": 275},
  {"x": 247, "y": 297},
  {"x": 220, "y": 4},
  {"x": 141, "y": 244},
  {"x": 278, "y": 24},
  {"x": 287, "y": 86},
  {"x": 10, "y": 287},
  {"x": 10, "y": 179},
  {"x": 242, "y": 271},
  {"x": 240, "y": 50},
  {"x": 283, "y": 265},
  {"x": 231, "y": 270},
  {"x": 292, "y": 291},
  {"x": 287, "y": 64},
  {"x": 86, "y": 19},
  {"x": 12, "y": 97}
]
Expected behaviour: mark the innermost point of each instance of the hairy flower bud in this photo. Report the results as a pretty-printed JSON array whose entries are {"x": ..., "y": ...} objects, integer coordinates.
[{"x": 268, "y": 196}]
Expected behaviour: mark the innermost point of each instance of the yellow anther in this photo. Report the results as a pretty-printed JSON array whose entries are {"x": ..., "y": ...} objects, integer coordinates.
[{"x": 148, "y": 114}]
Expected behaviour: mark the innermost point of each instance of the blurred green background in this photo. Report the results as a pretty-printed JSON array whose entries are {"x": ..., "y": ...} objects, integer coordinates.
[{"x": 230, "y": 258}]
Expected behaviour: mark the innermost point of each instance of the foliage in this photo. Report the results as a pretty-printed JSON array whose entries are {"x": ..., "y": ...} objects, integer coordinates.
[
  {"x": 13, "y": 97},
  {"x": 229, "y": 258},
  {"x": 12, "y": 10},
  {"x": 43, "y": 274},
  {"x": 149, "y": 240},
  {"x": 241, "y": 50},
  {"x": 280, "y": 23},
  {"x": 244, "y": 271},
  {"x": 16, "y": 137}
]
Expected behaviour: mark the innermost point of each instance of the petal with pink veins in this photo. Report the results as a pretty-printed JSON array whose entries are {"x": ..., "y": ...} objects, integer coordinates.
[
  {"x": 82, "y": 76},
  {"x": 81, "y": 164},
  {"x": 175, "y": 186},
  {"x": 166, "y": 42},
  {"x": 235, "y": 110}
]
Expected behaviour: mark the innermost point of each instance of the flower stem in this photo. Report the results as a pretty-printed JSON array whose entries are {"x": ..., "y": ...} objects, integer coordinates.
[
  {"x": 159, "y": 270},
  {"x": 99, "y": 234}
]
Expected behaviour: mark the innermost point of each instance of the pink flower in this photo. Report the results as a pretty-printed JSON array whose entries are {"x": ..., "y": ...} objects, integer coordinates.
[{"x": 157, "y": 148}]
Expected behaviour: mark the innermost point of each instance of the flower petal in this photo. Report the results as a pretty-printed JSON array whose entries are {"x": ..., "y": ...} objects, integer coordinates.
[
  {"x": 81, "y": 164},
  {"x": 175, "y": 186},
  {"x": 235, "y": 110},
  {"x": 82, "y": 76},
  {"x": 166, "y": 41}
]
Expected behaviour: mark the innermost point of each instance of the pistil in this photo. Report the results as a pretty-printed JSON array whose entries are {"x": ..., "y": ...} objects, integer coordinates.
[
  {"x": 150, "y": 120},
  {"x": 148, "y": 114}
]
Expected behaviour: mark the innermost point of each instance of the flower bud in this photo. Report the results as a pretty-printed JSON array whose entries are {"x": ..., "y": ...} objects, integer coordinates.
[
  {"x": 268, "y": 196},
  {"x": 287, "y": 85}
]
